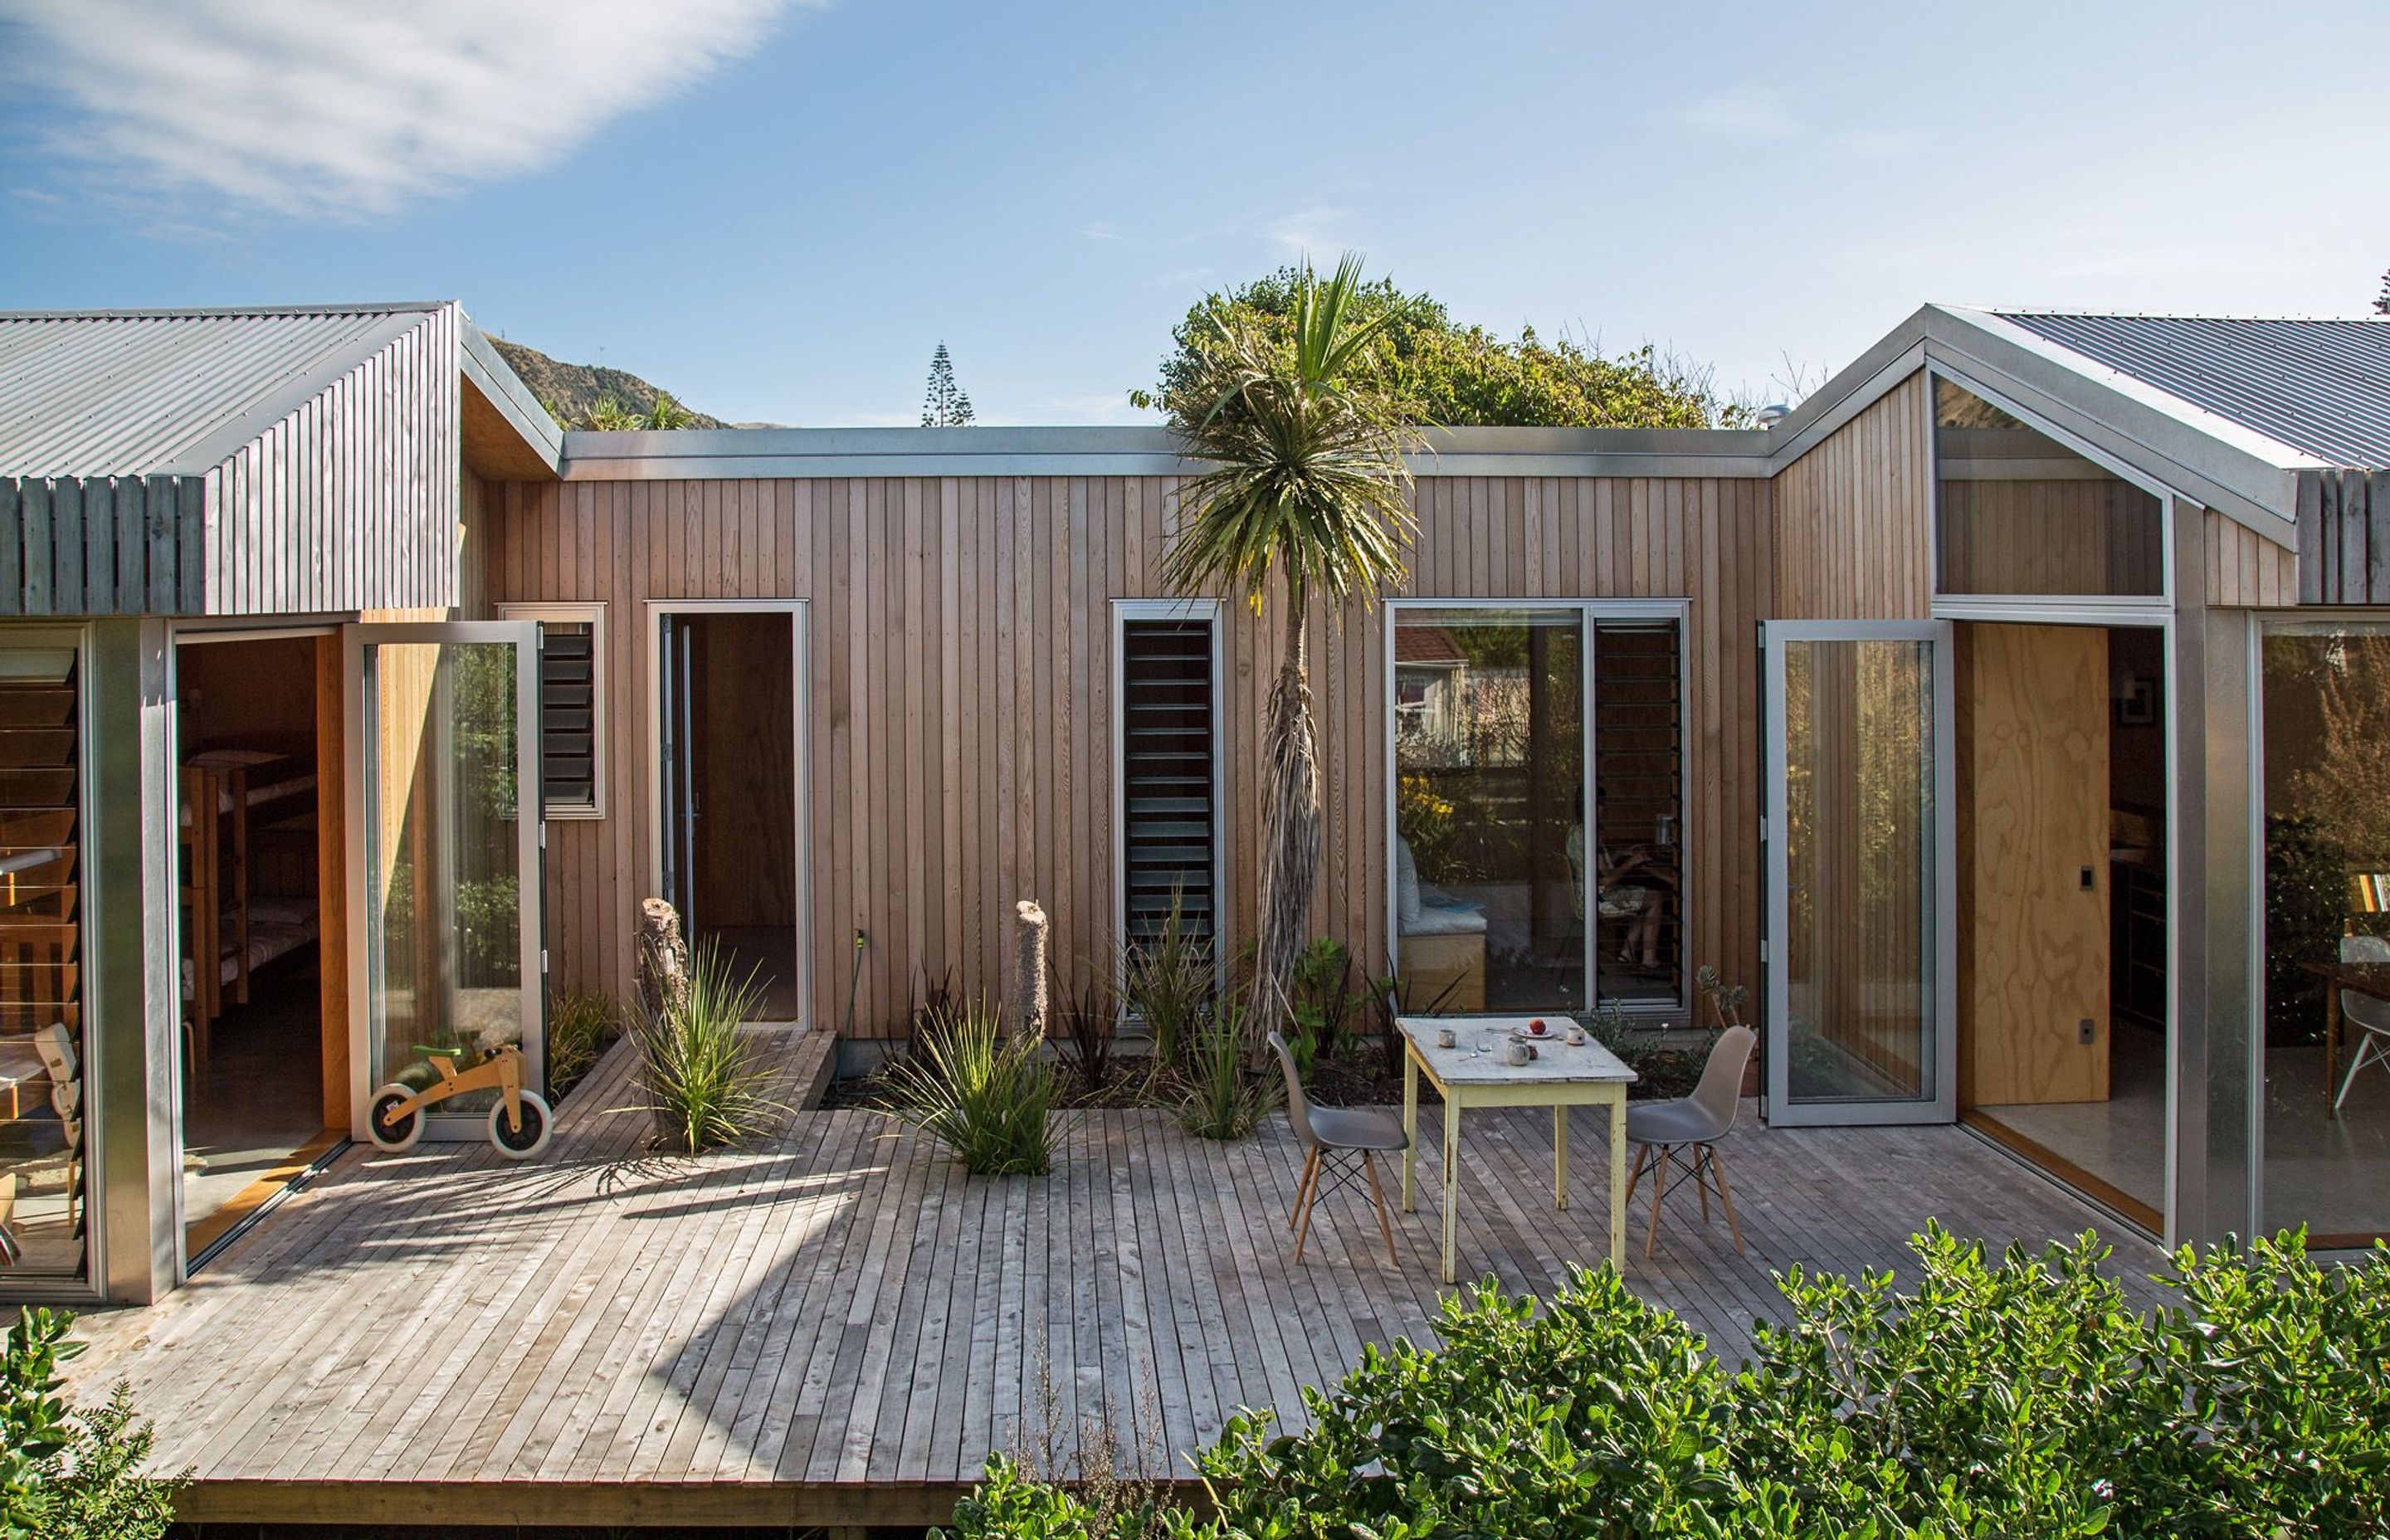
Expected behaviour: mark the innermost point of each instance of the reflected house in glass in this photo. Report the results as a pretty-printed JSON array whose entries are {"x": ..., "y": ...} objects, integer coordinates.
[{"x": 2003, "y": 714}]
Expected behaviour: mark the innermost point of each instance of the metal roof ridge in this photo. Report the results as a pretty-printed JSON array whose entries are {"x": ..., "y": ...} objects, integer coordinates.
[{"x": 164, "y": 312}]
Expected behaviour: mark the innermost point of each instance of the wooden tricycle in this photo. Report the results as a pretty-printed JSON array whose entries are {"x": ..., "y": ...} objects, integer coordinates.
[{"x": 519, "y": 1121}]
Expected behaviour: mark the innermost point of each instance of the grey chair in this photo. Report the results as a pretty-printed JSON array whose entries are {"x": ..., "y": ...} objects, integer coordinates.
[
  {"x": 2368, "y": 1016},
  {"x": 1327, "y": 1132},
  {"x": 1688, "y": 1129}
]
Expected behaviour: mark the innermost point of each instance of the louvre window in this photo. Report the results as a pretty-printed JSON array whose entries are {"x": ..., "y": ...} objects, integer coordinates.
[
  {"x": 571, "y": 706},
  {"x": 1171, "y": 818},
  {"x": 41, "y": 964},
  {"x": 1639, "y": 734}
]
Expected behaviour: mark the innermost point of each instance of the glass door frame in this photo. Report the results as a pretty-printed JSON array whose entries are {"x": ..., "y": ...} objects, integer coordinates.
[
  {"x": 1590, "y": 613},
  {"x": 1777, "y": 1104},
  {"x": 531, "y": 837}
]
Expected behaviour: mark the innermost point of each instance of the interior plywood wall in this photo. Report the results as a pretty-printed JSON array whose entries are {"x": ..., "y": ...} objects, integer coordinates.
[{"x": 959, "y": 694}]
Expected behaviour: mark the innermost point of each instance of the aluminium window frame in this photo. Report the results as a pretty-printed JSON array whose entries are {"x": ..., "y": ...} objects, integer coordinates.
[
  {"x": 2127, "y": 609},
  {"x": 1209, "y": 612},
  {"x": 591, "y": 612},
  {"x": 92, "y": 1286},
  {"x": 1591, "y": 613}
]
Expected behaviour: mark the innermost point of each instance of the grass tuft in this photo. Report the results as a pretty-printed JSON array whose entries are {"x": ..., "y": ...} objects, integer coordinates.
[
  {"x": 702, "y": 1073},
  {"x": 983, "y": 1094}
]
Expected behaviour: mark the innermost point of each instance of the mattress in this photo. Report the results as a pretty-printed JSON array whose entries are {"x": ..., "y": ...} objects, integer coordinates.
[{"x": 277, "y": 929}]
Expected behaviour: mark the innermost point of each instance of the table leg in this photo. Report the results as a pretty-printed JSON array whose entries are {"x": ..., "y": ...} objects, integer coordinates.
[
  {"x": 2330, "y": 1040},
  {"x": 1618, "y": 1177},
  {"x": 1559, "y": 1155},
  {"x": 1451, "y": 1173},
  {"x": 1410, "y": 1129}
]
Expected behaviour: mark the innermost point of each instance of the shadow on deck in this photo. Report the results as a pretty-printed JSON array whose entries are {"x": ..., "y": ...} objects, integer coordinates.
[{"x": 838, "y": 1326}]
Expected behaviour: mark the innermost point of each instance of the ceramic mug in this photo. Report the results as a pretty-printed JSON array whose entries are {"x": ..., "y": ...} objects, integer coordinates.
[
  {"x": 1518, "y": 1054},
  {"x": 1576, "y": 1037},
  {"x": 1444, "y": 1038}
]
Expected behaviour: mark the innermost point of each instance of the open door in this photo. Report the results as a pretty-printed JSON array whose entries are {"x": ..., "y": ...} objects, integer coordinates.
[
  {"x": 1861, "y": 955},
  {"x": 445, "y": 842}
]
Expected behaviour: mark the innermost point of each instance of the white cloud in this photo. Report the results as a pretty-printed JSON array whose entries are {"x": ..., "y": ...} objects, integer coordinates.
[
  {"x": 1317, "y": 233},
  {"x": 353, "y": 108},
  {"x": 1749, "y": 115},
  {"x": 1742, "y": 113}
]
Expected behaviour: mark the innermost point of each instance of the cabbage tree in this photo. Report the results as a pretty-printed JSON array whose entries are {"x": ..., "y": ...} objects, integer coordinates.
[{"x": 1303, "y": 499}]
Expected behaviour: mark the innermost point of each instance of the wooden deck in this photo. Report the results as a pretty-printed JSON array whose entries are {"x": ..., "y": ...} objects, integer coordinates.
[{"x": 838, "y": 1329}]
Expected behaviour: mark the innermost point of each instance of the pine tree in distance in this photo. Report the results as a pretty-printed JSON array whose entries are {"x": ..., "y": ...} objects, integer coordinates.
[{"x": 946, "y": 406}]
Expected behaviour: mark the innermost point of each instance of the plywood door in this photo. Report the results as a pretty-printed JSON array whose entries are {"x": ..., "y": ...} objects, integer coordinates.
[{"x": 2036, "y": 755}]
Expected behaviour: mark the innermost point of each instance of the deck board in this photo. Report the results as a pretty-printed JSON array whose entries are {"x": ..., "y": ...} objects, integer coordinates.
[{"x": 795, "y": 1331}]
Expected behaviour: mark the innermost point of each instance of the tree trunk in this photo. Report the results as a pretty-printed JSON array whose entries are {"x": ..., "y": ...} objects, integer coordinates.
[
  {"x": 1028, "y": 1012},
  {"x": 1290, "y": 832},
  {"x": 662, "y": 960}
]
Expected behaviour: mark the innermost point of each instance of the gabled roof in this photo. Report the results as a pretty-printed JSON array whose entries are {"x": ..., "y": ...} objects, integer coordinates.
[
  {"x": 294, "y": 460},
  {"x": 2321, "y": 385},
  {"x": 2111, "y": 414},
  {"x": 138, "y": 393}
]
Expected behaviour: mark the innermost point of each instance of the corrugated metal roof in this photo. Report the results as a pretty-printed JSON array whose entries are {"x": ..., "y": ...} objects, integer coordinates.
[
  {"x": 134, "y": 393},
  {"x": 2321, "y": 386}
]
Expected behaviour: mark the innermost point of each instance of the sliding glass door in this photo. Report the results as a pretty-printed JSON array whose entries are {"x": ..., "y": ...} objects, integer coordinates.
[
  {"x": 1536, "y": 847},
  {"x": 1861, "y": 954}
]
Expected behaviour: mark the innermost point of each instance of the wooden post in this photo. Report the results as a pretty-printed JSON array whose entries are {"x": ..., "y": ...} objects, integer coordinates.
[{"x": 1028, "y": 1003}]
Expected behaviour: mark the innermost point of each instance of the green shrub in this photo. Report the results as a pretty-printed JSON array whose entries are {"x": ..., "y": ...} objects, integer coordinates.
[
  {"x": 1015, "y": 1504},
  {"x": 35, "y": 1426},
  {"x": 95, "y": 1489},
  {"x": 1166, "y": 979},
  {"x": 66, "y": 1475},
  {"x": 580, "y": 1029},
  {"x": 1224, "y": 1100},
  {"x": 983, "y": 1094},
  {"x": 2023, "y": 1397},
  {"x": 700, "y": 1069}
]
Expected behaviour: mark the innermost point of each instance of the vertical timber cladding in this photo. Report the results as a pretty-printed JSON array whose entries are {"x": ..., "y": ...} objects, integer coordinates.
[
  {"x": 959, "y": 712},
  {"x": 1854, "y": 516}
]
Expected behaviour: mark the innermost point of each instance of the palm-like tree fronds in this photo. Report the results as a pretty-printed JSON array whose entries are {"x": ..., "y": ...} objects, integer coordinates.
[
  {"x": 1306, "y": 486},
  {"x": 1309, "y": 475}
]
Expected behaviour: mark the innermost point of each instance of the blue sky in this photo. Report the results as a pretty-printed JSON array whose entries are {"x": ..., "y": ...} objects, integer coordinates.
[{"x": 777, "y": 209}]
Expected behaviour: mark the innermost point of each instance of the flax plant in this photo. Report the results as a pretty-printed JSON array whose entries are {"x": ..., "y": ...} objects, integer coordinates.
[
  {"x": 1305, "y": 498},
  {"x": 701, "y": 1072},
  {"x": 982, "y": 1092}
]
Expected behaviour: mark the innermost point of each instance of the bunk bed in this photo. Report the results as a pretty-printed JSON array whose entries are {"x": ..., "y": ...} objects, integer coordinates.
[{"x": 247, "y": 832}]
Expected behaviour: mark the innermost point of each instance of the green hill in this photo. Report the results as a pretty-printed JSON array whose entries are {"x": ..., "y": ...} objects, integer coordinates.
[{"x": 572, "y": 391}]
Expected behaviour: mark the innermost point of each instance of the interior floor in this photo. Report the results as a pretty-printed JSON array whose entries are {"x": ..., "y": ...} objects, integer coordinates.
[
  {"x": 2319, "y": 1165},
  {"x": 2122, "y": 1140},
  {"x": 256, "y": 1100},
  {"x": 768, "y": 955}
]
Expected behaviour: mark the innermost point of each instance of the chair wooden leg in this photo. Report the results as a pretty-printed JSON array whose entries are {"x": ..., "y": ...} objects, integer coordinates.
[
  {"x": 1310, "y": 1200},
  {"x": 1635, "y": 1178},
  {"x": 1369, "y": 1164},
  {"x": 1303, "y": 1187},
  {"x": 1700, "y": 1183},
  {"x": 1726, "y": 1200},
  {"x": 1659, "y": 1190}
]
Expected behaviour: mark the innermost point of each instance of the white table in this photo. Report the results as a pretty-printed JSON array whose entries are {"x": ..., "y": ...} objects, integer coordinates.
[{"x": 1474, "y": 1073}]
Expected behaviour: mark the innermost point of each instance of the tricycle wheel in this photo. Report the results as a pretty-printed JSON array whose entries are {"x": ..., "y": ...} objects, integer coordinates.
[
  {"x": 397, "y": 1133},
  {"x": 529, "y": 1140}
]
